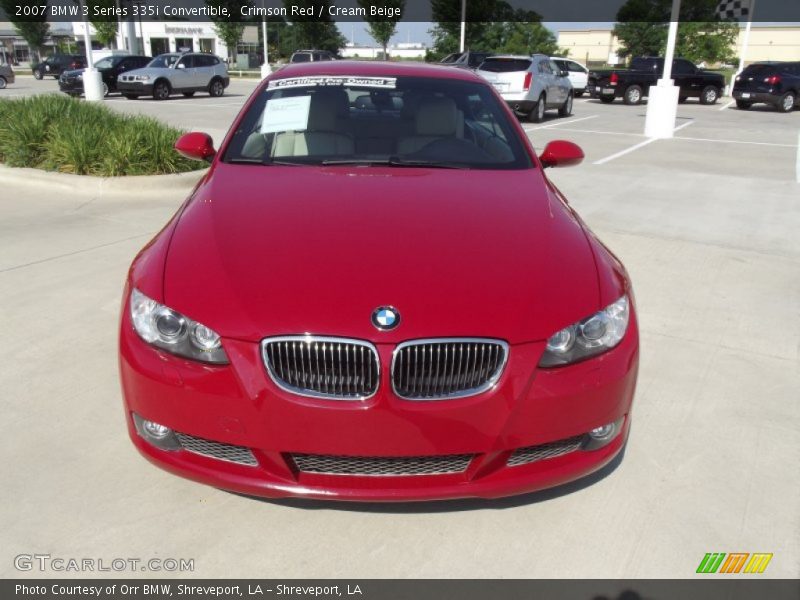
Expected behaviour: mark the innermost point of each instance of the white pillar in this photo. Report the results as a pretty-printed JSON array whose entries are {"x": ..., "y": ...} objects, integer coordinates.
[
  {"x": 92, "y": 79},
  {"x": 662, "y": 98},
  {"x": 463, "y": 24},
  {"x": 265, "y": 69}
]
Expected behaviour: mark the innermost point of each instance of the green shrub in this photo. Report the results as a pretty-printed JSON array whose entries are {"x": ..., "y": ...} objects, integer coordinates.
[{"x": 65, "y": 134}]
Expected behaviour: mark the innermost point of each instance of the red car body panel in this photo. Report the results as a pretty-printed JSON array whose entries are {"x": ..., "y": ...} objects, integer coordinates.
[{"x": 262, "y": 251}]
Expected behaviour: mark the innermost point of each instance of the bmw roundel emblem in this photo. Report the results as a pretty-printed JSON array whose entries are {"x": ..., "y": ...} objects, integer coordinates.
[{"x": 385, "y": 318}]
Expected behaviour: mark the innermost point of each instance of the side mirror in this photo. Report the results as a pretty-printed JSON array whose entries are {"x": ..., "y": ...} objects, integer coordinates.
[
  {"x": 180, "y": 66},
  {"x": 564, "y": 73},
  {"x": 560, "y": 153},
  {"x": 196, "y": 145}
]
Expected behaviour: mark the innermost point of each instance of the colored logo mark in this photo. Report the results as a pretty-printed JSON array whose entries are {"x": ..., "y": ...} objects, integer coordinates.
[{"x": 735, "y": 562}]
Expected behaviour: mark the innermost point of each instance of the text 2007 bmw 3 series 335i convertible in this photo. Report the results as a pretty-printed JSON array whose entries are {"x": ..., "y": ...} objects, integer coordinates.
[{"x": 375, "y": 293}]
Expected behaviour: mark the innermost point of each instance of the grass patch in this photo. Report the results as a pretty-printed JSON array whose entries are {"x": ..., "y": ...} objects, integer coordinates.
[{"x": 58, "y": 133}]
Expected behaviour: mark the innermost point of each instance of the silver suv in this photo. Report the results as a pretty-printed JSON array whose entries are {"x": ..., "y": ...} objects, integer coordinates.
[
  {"x": 529, "y": 84},
  {"x": 176, "y": 73}
]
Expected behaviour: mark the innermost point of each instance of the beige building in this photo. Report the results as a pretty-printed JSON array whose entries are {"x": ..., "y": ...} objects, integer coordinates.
[{"x": 596, "y": 46}]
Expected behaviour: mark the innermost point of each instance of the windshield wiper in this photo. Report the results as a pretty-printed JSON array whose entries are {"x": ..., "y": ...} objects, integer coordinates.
[{"x": 393, "y": 161}]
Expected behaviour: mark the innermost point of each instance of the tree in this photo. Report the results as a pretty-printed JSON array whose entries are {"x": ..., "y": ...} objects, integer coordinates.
[
  {"x": 642, "y": 30},
  {"x": 519, "y": 38},
  {"x": 382, "y": 29},
  {"x": 230, "y": 32},
  {"x": 317, "y": 33},
  {"x": 105, "y": 27},
  {"x": 33, "y": 29}
]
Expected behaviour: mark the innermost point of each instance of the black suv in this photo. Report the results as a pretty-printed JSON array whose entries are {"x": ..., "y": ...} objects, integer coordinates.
[
  {"x": 57, "y": 64},
  {"x": 110, "y": 67},
  {"x": 775, "y": 83}
]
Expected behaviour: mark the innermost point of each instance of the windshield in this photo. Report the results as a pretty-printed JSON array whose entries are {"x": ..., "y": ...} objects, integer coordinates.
[
  {"x": 105, "y": 63},
  {"x": 396, "y": 121},
  {"x": 164, "y": 61}
]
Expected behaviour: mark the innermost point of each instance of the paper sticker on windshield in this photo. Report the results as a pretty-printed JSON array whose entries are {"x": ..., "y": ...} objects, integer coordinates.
[
  {"x": 286, "y": 114},
  {"x": 386, "y": 83}
]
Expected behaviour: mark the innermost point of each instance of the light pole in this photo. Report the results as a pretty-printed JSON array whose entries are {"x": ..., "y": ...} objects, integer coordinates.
[
  {"x": 662, "y": 98},
  {"x": 463, "y": 24},
  {"x": 92, "y": 79},
  {"x": 265, "y": 68}
]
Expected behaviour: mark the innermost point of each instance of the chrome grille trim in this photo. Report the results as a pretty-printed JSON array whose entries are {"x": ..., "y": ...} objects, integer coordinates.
[
  {"x": 332, "y": 368},
  {"x": 375, "y": 466},
  {"x": 227, "y": 452},
  {"x": 530, "y": 454},
  {"x": 447, "y": 368}
]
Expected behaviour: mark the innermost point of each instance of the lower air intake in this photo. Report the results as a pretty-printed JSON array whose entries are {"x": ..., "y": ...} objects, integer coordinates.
[
  {"x": 530, "y": 454},
  {"x": 381, "y": 466},
  {"x": 220, "y": 451}
]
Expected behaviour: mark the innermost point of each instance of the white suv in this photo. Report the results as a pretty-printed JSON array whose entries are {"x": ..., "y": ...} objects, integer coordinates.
[
  {"x": 529, "y": 84},
  {"x": 577, "y": 73}
]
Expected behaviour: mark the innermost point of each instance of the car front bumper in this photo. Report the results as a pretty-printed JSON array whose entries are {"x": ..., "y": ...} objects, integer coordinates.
[
  {"x": 135, "y": 87},
  {"x": 237, "y": 408}
]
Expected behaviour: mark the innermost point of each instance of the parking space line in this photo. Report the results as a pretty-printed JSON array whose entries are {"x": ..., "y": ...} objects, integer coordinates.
[
  {"x": 557, "y": 123},
  {"x": 603, "y": 161},
  {"x": 727, "y": 105},
  {"x": 697, "y": 139},
  {"x": 797, "y": 161},
  {"x": 679, "y": 127}
]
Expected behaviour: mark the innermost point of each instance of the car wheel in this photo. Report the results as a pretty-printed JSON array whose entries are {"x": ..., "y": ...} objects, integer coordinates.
[
  {"x": 161, "y": 90},
  {"x": 2, "y": 83},
  {"x": 188, "y": 94},
  {"x": 606, "y": 99},
  {"x": 786, "y": 103},
  {"x": 633, "y": 95},
  {"x": 105, "y": 90},
  {"x": 131, "y": 96},
  {"x": 37, "y": 74},
  {"x": 682, "y": 99},
  {"x": 565, "y": 109},
  {"x": 537, "y": 114},
  {"x": 709, "y": 95},
  {"x": 216, "y": 88},
  {"x": 743, "y": 104}
]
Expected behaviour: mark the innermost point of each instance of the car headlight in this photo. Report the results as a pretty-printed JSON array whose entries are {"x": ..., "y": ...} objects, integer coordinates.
[
  {"x": 169, "y": 330},
  {"x": 588, "y": 337},
  {"x": 142, "y": 78}
]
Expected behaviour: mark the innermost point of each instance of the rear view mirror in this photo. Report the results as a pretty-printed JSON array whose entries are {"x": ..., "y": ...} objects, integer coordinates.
[
  {"x": 560, "y": 153},
  {"x": 196, "y": 146}
]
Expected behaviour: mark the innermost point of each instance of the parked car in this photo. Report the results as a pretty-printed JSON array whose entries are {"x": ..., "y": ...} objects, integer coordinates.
[
  {"x": 775, "y": 83},
  {"x": 470, "y": 59},
  {"x": 111, "y": 67},
  {"x": 632, "y": 85},
  {"x": 54, "y": 65},
  {"x": 476, "y": 340},
  {"x": 301, "y": 56},
  {"x": 169, "y": 74},
  {"x": 577, "y": 73},
  {"x": 451, "y": 58},
  {"x": 6, "y": 76},
  {"x": 529, "y": 84}
]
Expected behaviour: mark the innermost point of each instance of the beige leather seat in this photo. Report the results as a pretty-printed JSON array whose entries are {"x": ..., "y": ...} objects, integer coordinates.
[
  {"x": 324, "y": 136},
  {"x": 436, "y": 118}
]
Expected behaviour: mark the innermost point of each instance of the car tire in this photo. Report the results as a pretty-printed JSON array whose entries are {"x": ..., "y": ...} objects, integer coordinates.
[
  {"x": 537, "y": 114},
  {"x": 105, "y": 90},
  {"x": 161, "y": 90},
  {"x": 743, "y": 104},
  {"x": 606, "y": 99},
  {"x": 682, "y": 99},
  {"x": 786, "y": 102},
  {"x": 188, "y": 94},
  {"x": 37, "y": 74},
  {"x": 3, "y": 83},
  {"x": 565, "y": 109},
  {"x": 709, "y": 95},
  {"x": 216, "y": 88},
  {"x": 633, "y": 95},
  {"x": 131, "y": 96}
]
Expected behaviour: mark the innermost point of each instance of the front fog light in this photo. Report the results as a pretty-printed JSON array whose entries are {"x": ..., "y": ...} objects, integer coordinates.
[
  {"x": 603, "y": 435},
  {"x": 156, "y": 434}
]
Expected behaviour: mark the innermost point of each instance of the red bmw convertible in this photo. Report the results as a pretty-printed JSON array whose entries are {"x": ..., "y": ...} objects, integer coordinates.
[{"x": 375, "y": 293}]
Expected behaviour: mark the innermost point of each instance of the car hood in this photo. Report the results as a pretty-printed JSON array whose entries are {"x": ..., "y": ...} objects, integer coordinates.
[{"x": 262, "y": 251}]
